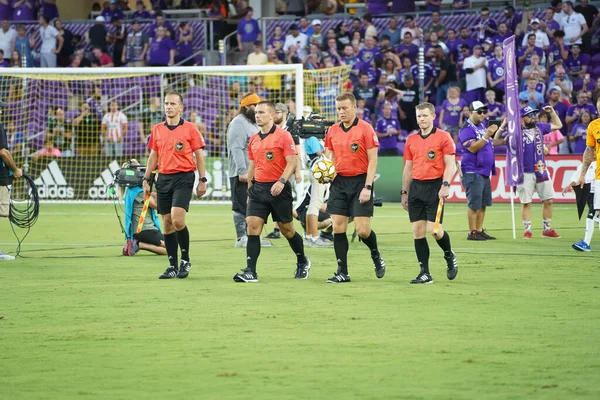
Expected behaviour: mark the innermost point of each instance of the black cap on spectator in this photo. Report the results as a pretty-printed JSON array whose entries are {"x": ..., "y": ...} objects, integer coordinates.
[
  {"x": 257, "y": 43},
  {"x": 293, "y": 27}
]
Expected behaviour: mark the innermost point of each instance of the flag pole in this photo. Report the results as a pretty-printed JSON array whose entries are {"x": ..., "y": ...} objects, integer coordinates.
[{"x": 512, "y": 212}]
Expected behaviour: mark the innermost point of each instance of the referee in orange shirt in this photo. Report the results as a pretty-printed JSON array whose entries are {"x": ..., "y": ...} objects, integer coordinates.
[
  {"x": 428, "y": 168},
  {"x": 174, "y": 144},
  {"x": 352, "y": 146},
  {"x": 273, "y": 159}
]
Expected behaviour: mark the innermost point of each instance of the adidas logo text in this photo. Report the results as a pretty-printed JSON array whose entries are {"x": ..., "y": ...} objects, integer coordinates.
[
  {"x": 52, "y": 184},
  {"x": 100, "y": 188}
]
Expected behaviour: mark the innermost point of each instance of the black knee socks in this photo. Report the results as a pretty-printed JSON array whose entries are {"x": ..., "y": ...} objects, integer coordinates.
[
  {"x": 340, "y": 245},
  {"x": 171, "y": 246},
  {"x": 297, "y": 245},
  {"x": 422, "y": 250},
  {"x": 183, "y": 237},
  {"x": 252, "y": 251},
  {"x": 371, "y": 242},
  {"x": 444, "y": 243}
]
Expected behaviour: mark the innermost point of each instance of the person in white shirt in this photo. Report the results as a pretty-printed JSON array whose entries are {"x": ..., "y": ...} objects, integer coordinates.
[
  {"x": 7, "y": 36},
  {"x": 541, "y": 39},
  {"x": 573, "y": 24},
  {"x": 49, "y": 36},
  {"x": 298, "y": 39},
  {"x": 257, "y": 57},
  {"x": 475, "y": 68},
  {"x": 114, "y": 126},
  {"x": 411, "y": 26}
]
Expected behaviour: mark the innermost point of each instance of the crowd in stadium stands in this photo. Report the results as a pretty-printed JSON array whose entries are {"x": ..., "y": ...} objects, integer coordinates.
[{"x": 462, "y": 65}]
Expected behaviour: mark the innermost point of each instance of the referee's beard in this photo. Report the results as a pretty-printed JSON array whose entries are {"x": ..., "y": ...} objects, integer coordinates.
[{"x": 249, "y": 114}]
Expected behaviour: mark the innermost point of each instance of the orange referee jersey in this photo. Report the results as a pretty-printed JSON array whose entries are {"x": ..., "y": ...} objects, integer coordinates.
[
  {"x": 350, "y": 146},
  {"x": 268, "y": 151},
  {"x": 427, "y": 154},
  {"x": 176, "y": 146}
]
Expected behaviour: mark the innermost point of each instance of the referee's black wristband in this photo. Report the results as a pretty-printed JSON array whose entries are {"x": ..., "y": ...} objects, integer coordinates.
[{"x": 403, "y": 192}]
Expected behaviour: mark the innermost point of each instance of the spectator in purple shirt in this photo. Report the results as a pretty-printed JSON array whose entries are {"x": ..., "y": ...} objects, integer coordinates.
[
  {"x": 407, "y": 48},
  {"x": 577, "y": 63},
  {"x": 574, "y": 112},
  {"x": 376, "y": 7},
  {"x": 487, "y": 27},
  {"x": 453, "y": 44},
  {"x": 450, "y": 111},
  {"x": 579, "y": 131},
  {"x": 162, "y": 49},
  {"x": 524, "y": 53},
  {"x": 23, "y": 10},
  {"x": 112, "y": 11},
  {"x": 549, "y": 24},
  {"x": 248, "y": 32},
  {"x": 159, "y": 22},
  {"x": 5, "y": 10},
  {"x": 185, "y": 48},
  {"x": 460, "y": 6},
  {"x": 502, "y": 34},
  {"x": 433, "y": 5},
  {"x": 495, "y": 73},
  {"x": 557, "y": 52},
  {"x": 475, "y": 144},
  {"x": 466, "y": 39},
  {"x": 49, "y": 9},
  {"x": 370, "y": 51},
  {"x": 561, "y": 108},
  {"x": 387, "y": 129},
  {"x": 140, "y": 11},
  {"x": 495, "y": 110}
]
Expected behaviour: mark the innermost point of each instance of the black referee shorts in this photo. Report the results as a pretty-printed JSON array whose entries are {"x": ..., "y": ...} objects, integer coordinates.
[
  {"x": 423, "y": 199},
  {"x": 261, "y": 202},
  {"x": 343, "y": 197},
  {"x": 174, "y": 190},
  {"x": 150, "y": 236},
  {"x": 239, "y": 195}
]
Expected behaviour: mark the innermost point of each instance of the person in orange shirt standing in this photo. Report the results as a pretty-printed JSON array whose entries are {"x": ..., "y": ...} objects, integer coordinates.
[
  {"x": 352, "y": 146},
  {"x": 176, "y": 148},
  {"x": 428, "y": 168},
  {"x": 273, "y": 159}
]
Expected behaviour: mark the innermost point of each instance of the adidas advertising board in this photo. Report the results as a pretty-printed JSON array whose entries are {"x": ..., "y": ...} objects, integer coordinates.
[
  {"x": 100, "y": 188},
  {"x": 87, "y": 178},
  {"x": 51, "y": 184}
]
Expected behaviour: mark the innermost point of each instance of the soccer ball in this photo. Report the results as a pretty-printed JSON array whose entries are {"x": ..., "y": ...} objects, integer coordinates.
[{"x": 323, "y": 171}]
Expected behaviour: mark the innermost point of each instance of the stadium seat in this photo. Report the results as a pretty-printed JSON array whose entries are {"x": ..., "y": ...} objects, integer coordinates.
[
  {"x": 596, "y": 73},
  {"x": 595, "y": 62},
  {"x": 577, "y": 84}
]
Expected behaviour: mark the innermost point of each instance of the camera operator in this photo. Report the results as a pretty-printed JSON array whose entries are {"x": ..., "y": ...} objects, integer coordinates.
[{"x": 150, "y": 238}]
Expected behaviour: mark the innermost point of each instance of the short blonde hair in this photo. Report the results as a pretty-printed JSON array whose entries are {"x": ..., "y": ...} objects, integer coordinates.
[
  {"x": 426, "y": 106},
  {"x": 346, "y": 96}
]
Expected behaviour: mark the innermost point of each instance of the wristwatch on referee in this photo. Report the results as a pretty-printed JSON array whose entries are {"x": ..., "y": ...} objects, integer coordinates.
[
  {"x": 446, "y": 183},
  {"x": 282, "y": 180},
  {"x": 203, "y": 179},
  {"x": 402, "y": 192},
  {"x": 369, "y": 187}
]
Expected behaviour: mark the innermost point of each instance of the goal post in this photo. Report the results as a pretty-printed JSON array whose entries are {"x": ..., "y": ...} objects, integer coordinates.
[{"x": 71, "y": 128}]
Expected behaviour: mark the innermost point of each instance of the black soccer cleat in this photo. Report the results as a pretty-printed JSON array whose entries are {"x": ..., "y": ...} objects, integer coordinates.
[
  {"x": 184, "y": 269},
  {"x": 339, "y": 277},
  {"x": 422, "y": 278},
  {"x": 170, "y": 273},
  {"x": 379, "y": 265},
  {"x": 302, "y": 270},
  {"x": 484, "y": 235},
  {"x": 276, "y": 234},
  {"x": 246, "y": 276},
  {"x": 452, "y": 270},
  {"x": 474, "y": 235}
]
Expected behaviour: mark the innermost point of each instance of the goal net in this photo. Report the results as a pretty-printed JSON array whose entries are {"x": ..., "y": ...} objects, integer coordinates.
[{"x": 72, "y": 128}]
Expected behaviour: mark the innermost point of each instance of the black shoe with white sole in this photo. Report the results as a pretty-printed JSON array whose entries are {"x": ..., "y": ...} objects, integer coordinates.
[
  {"x": 339, "y": 277},
  {"x": 246, "y": 276},
  {"x": 302, "y": 270},
  {"x": 452, "y": 264},
  {"x": 184, "y": 269},
  {"x": 379, "y": 265},
  {"x": 422, "y": 278},
  {"x": 170, "y": 273}
]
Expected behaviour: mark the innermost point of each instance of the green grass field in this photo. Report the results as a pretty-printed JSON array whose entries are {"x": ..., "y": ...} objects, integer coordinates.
[{"x": 78, "y": 320}]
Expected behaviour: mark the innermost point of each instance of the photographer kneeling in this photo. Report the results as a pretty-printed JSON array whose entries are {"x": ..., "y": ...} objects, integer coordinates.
[{"x": 150, "y": 237}]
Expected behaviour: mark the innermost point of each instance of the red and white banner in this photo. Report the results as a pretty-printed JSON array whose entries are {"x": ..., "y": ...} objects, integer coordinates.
[{"x": 561, "y": 170}]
